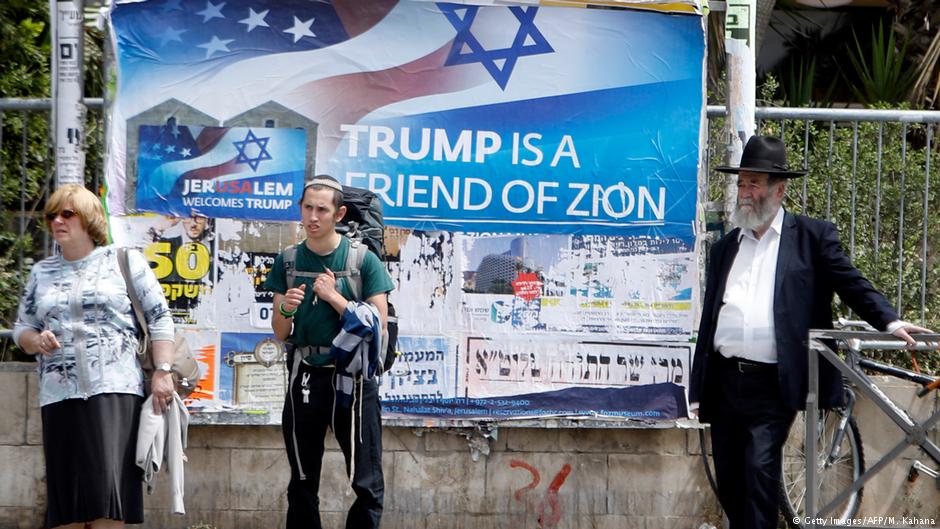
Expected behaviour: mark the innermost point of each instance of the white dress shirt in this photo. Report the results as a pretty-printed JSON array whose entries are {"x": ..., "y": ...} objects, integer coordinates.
[{"x": 745, "y": 326}]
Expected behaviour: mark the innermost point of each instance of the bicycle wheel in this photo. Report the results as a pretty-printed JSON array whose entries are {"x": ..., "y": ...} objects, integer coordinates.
[{"x": 832, "y": 478}]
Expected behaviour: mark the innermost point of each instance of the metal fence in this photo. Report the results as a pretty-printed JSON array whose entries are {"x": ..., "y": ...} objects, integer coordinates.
[
  {"x": 870, "y": 174},
  {"x": 21, "y": 121}
]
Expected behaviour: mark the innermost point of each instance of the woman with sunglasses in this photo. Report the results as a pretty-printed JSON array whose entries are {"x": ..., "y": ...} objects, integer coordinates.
[{"x": 75, "y": 315}]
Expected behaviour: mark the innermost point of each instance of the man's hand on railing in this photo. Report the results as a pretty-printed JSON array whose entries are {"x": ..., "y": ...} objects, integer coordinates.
[
  {"x": 903, "y": 330},
  {"x": 900, "y": 329}
]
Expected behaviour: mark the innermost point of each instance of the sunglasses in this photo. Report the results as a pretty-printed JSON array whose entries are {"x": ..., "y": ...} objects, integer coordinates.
[{"x": 66, "y": 214}]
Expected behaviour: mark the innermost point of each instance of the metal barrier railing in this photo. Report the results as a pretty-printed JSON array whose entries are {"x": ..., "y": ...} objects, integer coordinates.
[
  {"x": 915, "y": 433},
  {"x": 15, "y": 114}
]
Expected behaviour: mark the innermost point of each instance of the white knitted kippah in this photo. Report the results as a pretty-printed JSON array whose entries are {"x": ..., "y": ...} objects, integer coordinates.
[{"x": 325, "y": 182}]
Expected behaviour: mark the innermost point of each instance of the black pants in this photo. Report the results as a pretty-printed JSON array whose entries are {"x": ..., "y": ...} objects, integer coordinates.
[
  {"x": 750, "y": 426},
  {"x": 307, "y": 422}
]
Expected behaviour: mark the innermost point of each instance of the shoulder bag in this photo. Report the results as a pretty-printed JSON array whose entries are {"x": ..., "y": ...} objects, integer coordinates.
[{"x": 185, "y": 368}]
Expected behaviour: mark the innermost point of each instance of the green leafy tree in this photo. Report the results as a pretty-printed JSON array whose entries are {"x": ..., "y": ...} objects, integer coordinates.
[
  {"x": 24, "y": 45},
  {"x": 26, "y": 158}
]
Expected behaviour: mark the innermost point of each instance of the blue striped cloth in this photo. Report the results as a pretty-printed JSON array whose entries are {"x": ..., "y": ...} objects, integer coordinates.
[{"x": 355, "y": 350}]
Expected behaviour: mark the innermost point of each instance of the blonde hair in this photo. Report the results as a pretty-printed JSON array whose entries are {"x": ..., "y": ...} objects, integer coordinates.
[{"x": 86, "y": 205}]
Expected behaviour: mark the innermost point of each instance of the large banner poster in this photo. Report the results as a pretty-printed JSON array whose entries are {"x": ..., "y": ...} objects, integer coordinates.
[{"x": 537, "y": 167}]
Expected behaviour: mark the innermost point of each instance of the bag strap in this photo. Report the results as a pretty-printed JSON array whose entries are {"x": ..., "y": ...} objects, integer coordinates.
[
  {"x": 290, "y": 264},
  {"x": 124, "y": 263},
  {"x": 354, "y": 259}
]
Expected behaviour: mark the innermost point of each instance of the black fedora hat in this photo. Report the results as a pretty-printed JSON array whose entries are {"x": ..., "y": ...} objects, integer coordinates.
[{"x": 764, "y": 154}]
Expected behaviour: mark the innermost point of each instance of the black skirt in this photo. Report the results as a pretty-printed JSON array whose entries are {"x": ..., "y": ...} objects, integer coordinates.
[{"x": 90, "y": 470}]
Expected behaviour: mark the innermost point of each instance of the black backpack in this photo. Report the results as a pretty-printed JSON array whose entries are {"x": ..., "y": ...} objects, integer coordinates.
[{"x": 364, "y": 219}]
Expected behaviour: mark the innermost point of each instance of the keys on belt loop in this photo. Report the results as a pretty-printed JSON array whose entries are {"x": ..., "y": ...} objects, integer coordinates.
[{"x": 305, "y": 387}]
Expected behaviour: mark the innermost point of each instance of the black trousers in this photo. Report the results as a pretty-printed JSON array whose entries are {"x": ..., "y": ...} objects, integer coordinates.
[
  {"x": 307, "y": 422},
  {"x": 751, "y": 424}
]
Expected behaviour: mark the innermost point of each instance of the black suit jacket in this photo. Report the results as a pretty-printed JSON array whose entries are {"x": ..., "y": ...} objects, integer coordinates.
[{"x": 811, "y": 267}]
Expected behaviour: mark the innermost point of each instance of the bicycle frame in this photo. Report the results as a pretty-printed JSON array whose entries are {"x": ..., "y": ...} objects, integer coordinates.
[{"x": 915, "y": 433}]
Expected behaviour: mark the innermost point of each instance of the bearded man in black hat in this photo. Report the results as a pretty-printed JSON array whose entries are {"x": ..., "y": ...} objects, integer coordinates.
[{"x": 769, "y": 281}]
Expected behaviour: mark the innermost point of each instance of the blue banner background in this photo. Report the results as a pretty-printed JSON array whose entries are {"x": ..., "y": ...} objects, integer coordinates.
[{"x": 637, "y": 136}]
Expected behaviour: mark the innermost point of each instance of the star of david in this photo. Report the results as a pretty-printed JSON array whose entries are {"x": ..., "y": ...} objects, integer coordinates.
[
  {"x": 263, "y": 154},
  {"x": 528, "y": 41}
]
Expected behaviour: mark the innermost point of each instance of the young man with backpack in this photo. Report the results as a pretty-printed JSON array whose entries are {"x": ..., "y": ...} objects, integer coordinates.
[{"x": 328, "y": 290}]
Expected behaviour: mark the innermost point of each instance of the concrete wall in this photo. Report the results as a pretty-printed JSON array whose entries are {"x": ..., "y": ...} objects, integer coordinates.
[{"x": 447, "y": 478}]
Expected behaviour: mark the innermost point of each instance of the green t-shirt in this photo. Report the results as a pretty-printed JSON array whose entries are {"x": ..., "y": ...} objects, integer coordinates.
[{"x": 319, "y": 324}]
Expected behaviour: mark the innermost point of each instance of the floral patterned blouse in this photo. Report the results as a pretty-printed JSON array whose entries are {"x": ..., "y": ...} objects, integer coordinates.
[{"x": 85, "y": 303}]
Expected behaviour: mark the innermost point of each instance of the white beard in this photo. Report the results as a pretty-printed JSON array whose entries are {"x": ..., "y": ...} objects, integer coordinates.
[{"x": 760, "y": 214}]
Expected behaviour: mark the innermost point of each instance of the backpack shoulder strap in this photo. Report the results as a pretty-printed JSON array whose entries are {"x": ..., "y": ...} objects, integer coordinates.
[
  {"x": 290, "y": 264},
  {"x": 354, "y": 259},
  {"x": 124, "y": 264}
]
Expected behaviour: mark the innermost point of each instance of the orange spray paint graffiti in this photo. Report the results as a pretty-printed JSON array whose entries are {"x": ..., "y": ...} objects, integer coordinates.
[{"x": 546, "y": 506}]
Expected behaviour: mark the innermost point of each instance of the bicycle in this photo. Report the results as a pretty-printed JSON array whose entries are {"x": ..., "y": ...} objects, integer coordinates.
[{"x": 840, "y": 460}]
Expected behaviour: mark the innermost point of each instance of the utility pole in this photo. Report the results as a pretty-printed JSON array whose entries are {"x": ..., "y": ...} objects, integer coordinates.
[
  {"x": 68, "y": 107},
  {"x": 740, "y": 47}
]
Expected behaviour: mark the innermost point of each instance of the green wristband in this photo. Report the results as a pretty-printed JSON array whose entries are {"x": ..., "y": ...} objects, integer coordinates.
[{"x": 284, "y": 312}]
